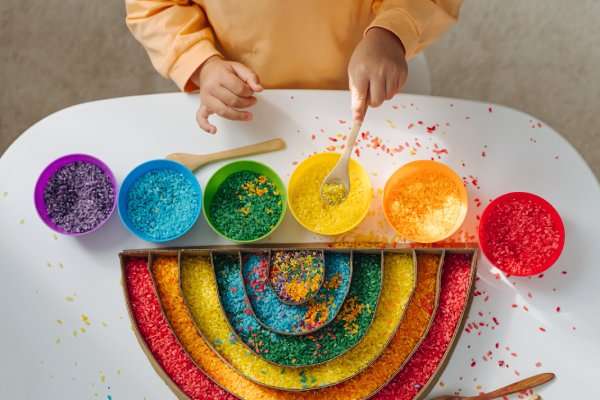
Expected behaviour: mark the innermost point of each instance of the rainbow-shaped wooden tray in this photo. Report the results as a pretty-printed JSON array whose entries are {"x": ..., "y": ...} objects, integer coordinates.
[{"x": 383, "y": 322}]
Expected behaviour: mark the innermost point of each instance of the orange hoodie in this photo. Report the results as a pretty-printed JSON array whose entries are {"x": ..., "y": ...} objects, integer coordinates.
[{"x": 289, "y": 44}]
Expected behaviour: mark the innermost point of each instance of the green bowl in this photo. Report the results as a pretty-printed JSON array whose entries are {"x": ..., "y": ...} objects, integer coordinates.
[{"x": 223, "y": 173}]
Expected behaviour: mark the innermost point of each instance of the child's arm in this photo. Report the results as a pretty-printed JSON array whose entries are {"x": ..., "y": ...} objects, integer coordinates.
[
  {"x": 180, "y": 42},
  {"x": 400, "y": 29},
  {"x": 175, "y": 33}
]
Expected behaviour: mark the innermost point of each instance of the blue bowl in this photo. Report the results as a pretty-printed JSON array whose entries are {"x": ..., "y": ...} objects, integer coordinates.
[{"x": 136, "y": 174}]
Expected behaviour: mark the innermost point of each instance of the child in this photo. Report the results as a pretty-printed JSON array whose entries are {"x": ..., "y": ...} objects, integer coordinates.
[{"x": 229, "y": 49}]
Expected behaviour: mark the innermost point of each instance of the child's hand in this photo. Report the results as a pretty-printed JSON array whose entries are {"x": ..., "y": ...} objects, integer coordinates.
[
  {"x": 225, "y": 88},
  {"x": 377, "y": 70}
]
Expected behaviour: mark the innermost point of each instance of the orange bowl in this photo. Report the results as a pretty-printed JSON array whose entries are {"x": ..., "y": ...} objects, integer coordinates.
[{"x": 425, "y": 201}]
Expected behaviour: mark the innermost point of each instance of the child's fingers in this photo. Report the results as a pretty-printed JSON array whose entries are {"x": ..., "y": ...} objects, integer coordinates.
[
  {"x": 222, "y": 110},
  {"x": 376, "y": 92},
  {"x": 247, "y": 75},
  {"x": 392, "y": 87},
  {"x": 202, "y": 119},
  {"x": 236, "y": 85},
  {"x": 394, "y": 84},
  {"x": 359, "y": 89},
  {"x": 232, "y": 100},
  {"x": 235, "y": 115}
]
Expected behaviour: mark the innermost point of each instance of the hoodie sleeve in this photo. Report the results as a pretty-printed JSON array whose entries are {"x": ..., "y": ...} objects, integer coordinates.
[
  {"x": 417, "y": 23},
  {"x": 176, "y": 35}
]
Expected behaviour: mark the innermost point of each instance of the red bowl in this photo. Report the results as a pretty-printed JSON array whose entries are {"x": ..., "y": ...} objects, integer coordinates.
[{"x": 538, "y": 260}]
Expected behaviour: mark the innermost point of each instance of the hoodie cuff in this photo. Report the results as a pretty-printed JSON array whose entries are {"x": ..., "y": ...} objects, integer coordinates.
[
  {"x": 188, "y": 62},
  {"x": 400, "y": 24}
]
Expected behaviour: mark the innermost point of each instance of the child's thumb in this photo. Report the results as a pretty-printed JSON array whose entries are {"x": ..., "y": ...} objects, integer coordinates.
[{"x": 247, "y": 75}]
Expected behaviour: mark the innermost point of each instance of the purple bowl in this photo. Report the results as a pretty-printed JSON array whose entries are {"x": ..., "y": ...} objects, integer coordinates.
[{"x": 48, "y": 173}]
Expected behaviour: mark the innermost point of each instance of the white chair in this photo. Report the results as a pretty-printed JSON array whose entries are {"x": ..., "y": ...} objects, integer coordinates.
[{"x": 419, "y": 78}]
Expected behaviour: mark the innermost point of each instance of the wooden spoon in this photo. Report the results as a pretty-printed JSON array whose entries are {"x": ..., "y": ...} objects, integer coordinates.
[
  {"x": 195, "y": 161},
  {"x": 516, "y": 387},
  {"x": 336, "y": 186}
]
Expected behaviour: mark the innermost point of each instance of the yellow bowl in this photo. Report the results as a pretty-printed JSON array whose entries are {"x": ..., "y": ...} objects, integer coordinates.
[
  {"x": 305, "y": 202},
  {"x": 425, "y": 201}
]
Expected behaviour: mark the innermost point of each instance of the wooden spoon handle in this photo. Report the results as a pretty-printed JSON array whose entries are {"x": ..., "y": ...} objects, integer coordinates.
[
  {"x": 258, "y": 148},
  {"x": 347, "y": 154},
  {"x": 528, "y": 383},
  {"x": 195, "y": 161},
  {"x": 351, "y": 140}
]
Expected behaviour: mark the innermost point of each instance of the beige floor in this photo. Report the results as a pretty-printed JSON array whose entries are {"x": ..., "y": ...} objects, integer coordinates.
[{"x": 540, "y": 56}]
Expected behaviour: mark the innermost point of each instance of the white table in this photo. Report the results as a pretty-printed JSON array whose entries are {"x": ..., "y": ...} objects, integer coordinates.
[{"x": 49, "y": 281}]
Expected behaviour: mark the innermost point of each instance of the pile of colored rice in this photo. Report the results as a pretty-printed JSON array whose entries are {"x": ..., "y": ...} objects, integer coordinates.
[
  {"x": 247, "y": 206},
  {"x": 79, "y": 197},
  {"x": 333, "y": 193},
  {"x": 322, "y": 217},
  {"x": 424, "y": 206},
  {"x": 521, "y": 234},
  {"x": 162, "y": 204},
  {"x": 296, "y": 275},
  {"x": 282, "y": 317}
]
